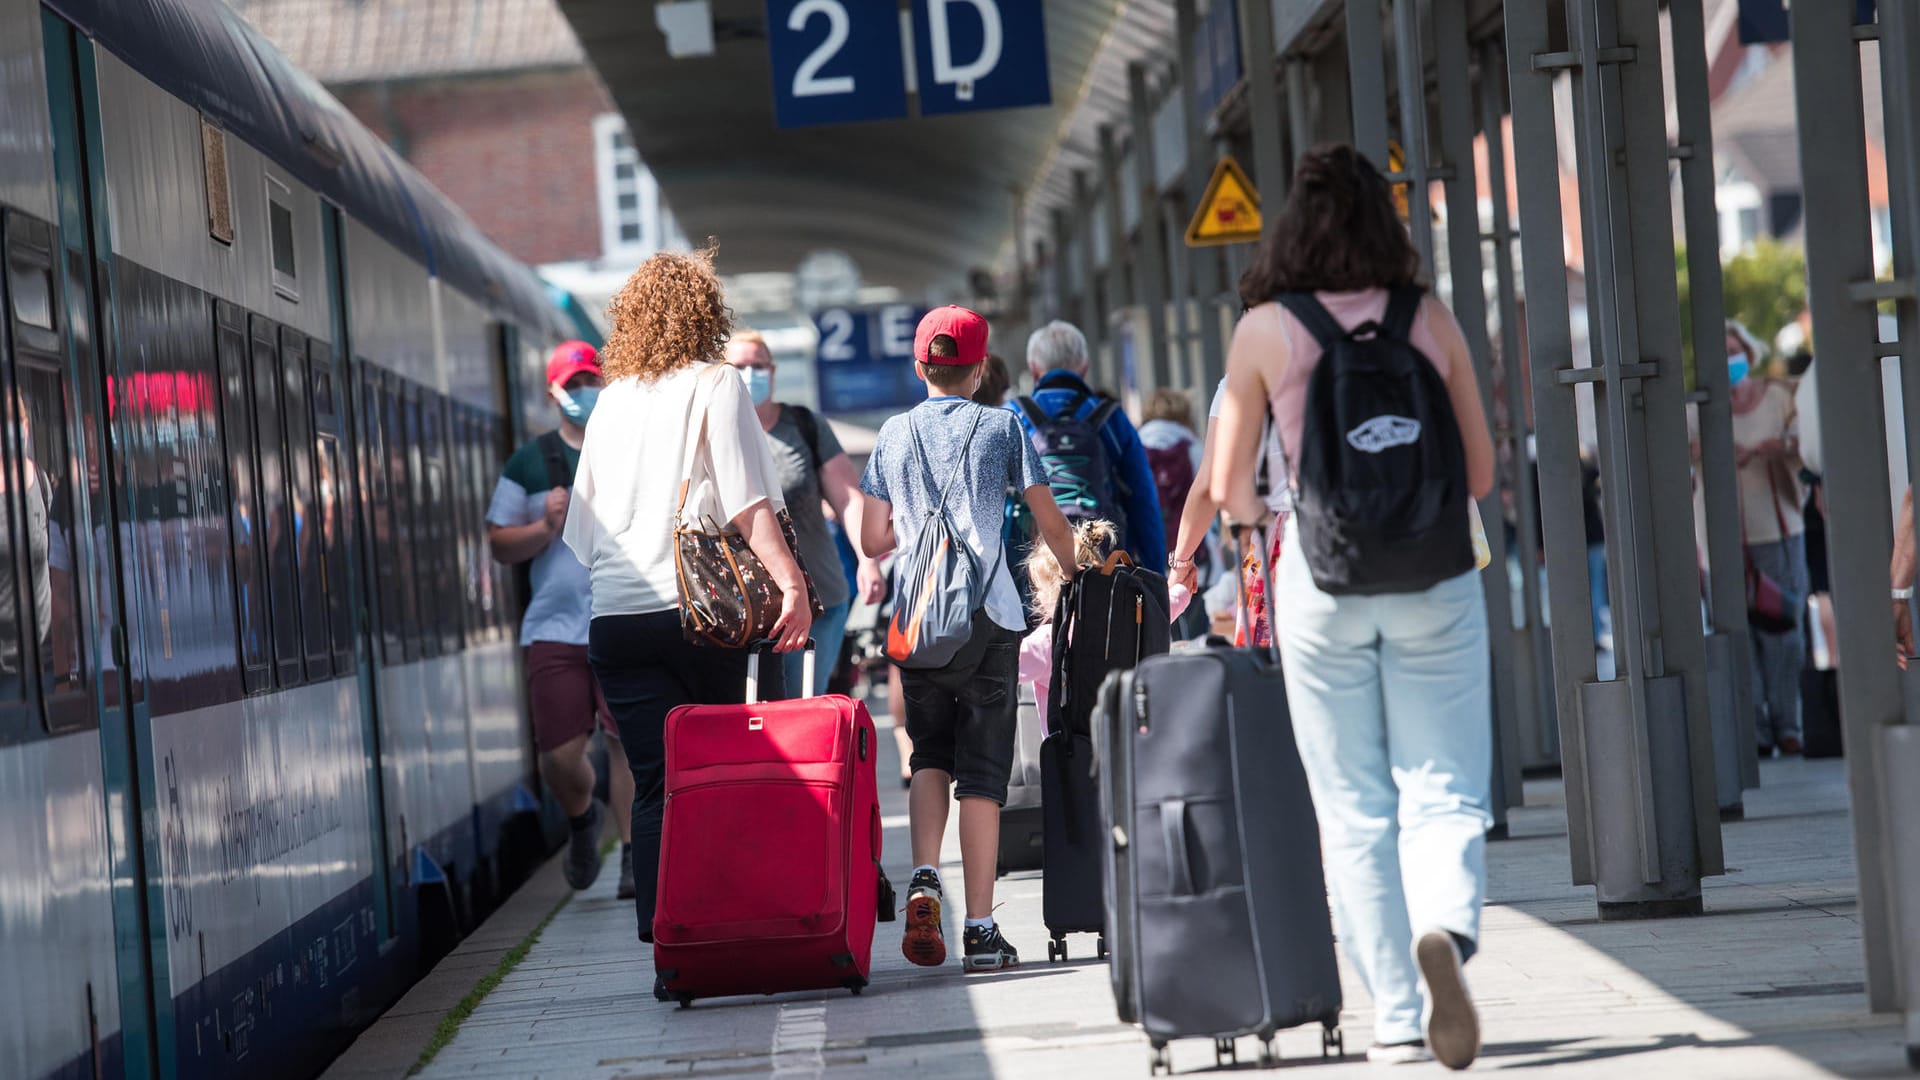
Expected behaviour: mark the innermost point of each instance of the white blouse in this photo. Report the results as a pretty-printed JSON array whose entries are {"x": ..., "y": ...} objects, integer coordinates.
[{"x": 627, "y": 486}]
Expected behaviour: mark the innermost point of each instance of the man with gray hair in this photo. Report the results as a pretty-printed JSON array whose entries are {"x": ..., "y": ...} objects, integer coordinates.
[{"x": 1095, "y": 461}]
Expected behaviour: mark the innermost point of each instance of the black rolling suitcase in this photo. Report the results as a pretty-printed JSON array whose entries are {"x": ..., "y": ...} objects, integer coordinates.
[
  {"x": 1216, "y": 903},
  {"x": 1108, "y": 619},
  {"x": 1022, "y": 824}
]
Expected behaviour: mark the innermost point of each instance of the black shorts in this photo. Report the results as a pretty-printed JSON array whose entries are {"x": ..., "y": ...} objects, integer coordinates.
[{"x": 961, "y": 717}]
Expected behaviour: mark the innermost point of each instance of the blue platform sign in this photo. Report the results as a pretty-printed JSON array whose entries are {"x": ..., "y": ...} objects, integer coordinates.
[
  {"x": 980, "y": 54},
  {"x": 865, "y": 359},
  {"x": 835, "y": 61},
  {"x": 1216, "y": 56},
  {"x": 1766, "y": 21}
]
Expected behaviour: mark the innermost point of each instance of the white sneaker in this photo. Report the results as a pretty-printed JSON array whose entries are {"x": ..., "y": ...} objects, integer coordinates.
[
  {"x": 1399, "y": 1054},
  {"x": 1453, "y": 1027}
]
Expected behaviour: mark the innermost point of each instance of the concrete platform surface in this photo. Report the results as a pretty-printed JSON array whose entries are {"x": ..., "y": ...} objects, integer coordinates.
[{"x": 1767, "y": 984}]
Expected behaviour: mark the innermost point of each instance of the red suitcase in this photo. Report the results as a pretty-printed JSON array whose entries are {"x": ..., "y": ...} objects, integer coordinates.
[{"x": 770, "y": 874}]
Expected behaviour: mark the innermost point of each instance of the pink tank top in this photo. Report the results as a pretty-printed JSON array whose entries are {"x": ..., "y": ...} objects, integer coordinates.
[{"x": 1349, "y": 309}]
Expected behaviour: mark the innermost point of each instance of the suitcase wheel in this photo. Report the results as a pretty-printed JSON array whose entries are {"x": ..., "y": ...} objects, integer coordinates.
[
  {"x": 855, "y": 984},
  {"x": 1057, "y": 948},
  {"x": 1101, "y": 946},
  {"x": 1333, "y": 1042},
  {"x": 1225, "y": 1051},
  {"x": 685, "y": 999},
  {"x": 1269, "y": 1054},
  {"x": 1160, "y": 1061}
]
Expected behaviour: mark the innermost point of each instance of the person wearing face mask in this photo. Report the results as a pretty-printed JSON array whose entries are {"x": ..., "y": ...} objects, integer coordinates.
[
  {"x": 812, "y": 467},
  {"x": 1766, "y": 451},
  {"x": 524, "y": 521}
]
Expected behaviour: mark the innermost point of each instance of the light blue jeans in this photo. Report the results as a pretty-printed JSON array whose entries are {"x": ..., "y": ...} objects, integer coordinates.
[
  {"x": 1392, "y": 710},
  {"x": 829, "y": 631}
]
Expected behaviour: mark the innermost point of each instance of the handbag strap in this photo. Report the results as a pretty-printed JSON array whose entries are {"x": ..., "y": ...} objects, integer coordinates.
[{"x": 696, "y": 435}]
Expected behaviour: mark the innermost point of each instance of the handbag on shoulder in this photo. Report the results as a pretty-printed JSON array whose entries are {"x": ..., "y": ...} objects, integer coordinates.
[{"x": 727, "y": 597}]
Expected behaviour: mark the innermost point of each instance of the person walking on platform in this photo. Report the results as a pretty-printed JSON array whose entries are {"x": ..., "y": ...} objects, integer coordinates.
[
  {"x": 1110, "y": 481},
  {"x": 1766, "y": 454},
  {"x": 1386, "y": 666},
  {"x": 811, "y": 466},
  {"x": 529, "y": 505},
  {"x": 946, "y": 465},
  {"x": 663, "y": 357}
]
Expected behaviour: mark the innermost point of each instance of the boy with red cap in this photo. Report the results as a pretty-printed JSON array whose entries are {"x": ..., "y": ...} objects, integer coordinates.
[
  {"x": 524, "y": 520},
  {"x": 949, "y": 455}
]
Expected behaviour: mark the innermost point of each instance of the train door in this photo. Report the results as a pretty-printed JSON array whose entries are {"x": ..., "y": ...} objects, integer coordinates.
[{"x": 101, "y": 568}]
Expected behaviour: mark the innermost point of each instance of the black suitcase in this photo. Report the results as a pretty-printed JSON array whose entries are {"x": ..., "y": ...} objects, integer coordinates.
[
  {"x": 1820, "y": 714},
  {"x": 1108, "y": 619},
  {"x": 1216, "y": 903},
  {"x": 1072, "y": 897},
  {"x": 1022, "y": 823}
]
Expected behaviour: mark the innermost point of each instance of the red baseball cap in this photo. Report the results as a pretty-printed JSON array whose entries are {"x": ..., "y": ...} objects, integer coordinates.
[
  {"x": 570, "y": 358},
  {"x": 967, "y": 329}
]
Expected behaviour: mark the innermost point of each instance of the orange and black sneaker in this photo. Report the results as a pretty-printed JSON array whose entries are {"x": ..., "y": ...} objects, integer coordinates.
[{"x": 922, "y": 942}]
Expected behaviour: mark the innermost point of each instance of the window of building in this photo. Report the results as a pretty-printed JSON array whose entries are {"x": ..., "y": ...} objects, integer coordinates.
[{"x": 632, "y": 221}]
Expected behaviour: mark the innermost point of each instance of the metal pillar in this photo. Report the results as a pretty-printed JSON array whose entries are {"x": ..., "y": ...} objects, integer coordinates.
[
  {"x": 1411, "y": 68},
  {"x": 1637, "y": 750},
  {"x": 1729, "y": 649},
  {"x": 1150, "y": 267},
  {"x": 1366, "y": 73},
  {"x": 1453, "y": 85},
  {"x": 1089, "y": 322},
  {"x": 1063, "y": 303},
  {"x": 1122, "y": 291},
  {"x": 1299, "y": 117},
  {"x": 1205, "y": 268},
  {"x": 1263, "y": 104},
  {"x": 1185, "y": 367},
  {"x": 1533, "y": 656},
  {"x": 1842, "y": 292}
]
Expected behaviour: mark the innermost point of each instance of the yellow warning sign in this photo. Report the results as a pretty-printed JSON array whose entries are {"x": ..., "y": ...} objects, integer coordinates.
[{"x": 1230, "y": 211}]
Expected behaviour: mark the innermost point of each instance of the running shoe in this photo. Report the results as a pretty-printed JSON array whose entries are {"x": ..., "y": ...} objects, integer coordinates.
[
  {"x": 988, "y": 950},
  {"x": 583, "y": 850},
  {"x": 1453, "y": 1027},
  {"x": 922, "y": 942}
]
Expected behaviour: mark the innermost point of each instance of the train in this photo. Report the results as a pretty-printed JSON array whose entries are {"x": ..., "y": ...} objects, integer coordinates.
[{"x": 263, "y": 734}]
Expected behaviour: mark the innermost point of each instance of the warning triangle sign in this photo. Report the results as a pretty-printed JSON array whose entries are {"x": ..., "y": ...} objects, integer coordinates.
[{"x": 1230, "y": 211}]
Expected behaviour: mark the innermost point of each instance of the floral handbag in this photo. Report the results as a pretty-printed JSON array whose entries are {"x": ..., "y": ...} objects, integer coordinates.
[{"x": 727, "y": 597}]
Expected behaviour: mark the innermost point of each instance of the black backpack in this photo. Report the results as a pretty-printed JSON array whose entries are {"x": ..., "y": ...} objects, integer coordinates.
[
  {"x": 1084, "y": 481},
  {"x": 1382, "y": 492}
]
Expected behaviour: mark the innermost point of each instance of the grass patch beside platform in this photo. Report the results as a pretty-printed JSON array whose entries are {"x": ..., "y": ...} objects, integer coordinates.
[{"x": 450, "y": 1023}]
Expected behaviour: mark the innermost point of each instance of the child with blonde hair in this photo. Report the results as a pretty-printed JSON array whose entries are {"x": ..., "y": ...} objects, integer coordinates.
[{"x": 1093, "y": 541}]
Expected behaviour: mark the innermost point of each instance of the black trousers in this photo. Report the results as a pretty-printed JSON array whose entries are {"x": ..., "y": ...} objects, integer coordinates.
[{"x": 646, "y": 670}]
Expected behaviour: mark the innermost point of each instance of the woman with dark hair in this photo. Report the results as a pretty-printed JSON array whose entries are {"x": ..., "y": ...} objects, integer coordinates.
[{"x": 1389, "y": 692}]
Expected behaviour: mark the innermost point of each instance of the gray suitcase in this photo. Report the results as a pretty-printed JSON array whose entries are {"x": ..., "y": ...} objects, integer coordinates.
[
  {"x": 1022, "y": 826},
  {"x": 1216, "y": 904}
]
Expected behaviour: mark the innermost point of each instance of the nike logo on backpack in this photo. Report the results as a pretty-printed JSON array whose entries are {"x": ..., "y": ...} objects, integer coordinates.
[{"x": 1384, "y": 433}]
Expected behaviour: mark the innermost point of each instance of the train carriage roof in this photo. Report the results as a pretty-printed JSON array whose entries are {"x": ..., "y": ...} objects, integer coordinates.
[{"x": 208, "y": 56}]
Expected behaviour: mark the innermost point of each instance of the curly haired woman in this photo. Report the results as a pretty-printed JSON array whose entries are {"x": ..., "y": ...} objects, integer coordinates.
[{"x": 663, "y": 363}]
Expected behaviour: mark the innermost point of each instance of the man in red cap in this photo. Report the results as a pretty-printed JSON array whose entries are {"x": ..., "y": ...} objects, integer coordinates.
[
  {"x": 952, "y": 460},
  {"x": 524, "y": 521}
]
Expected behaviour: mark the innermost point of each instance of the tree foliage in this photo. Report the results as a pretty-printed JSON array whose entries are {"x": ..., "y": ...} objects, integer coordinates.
[{"x": 1765, "y": 287}]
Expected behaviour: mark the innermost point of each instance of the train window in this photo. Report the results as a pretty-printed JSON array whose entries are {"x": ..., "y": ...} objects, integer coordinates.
[
  {"x": 405, "y": 451},
  {"x": 30, "y": 289},
  {"x": 306, "y": 513},
  {"x": 441, "y": 534},
  {"x": 286, "y": 265},
  {"x": 249, "y": 553},
  {"x": 276, "y": 510},
  {"x": 508, "y": 600},
  {"x": 51, "y": 522},
  {"x": 330, "y": 484},
  {"x": 473, "y": 531},
  {"x": 14, "y": 563},
  {"x": 375, "y": 480}
]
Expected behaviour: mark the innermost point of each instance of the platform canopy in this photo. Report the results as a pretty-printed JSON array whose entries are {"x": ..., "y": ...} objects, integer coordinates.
[{"x": 918, "y": 203}]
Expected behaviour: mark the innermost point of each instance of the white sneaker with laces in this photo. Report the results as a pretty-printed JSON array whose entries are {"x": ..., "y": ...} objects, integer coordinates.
[
  {"x": 1453, "y": 1027},
  {"x": 1398, "y": 1054}
]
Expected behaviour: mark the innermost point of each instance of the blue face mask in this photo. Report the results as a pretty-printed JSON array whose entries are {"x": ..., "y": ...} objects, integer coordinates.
[
  {"x": 1737, "y": 369},
  {"x": 759, "y": 383},
  {"x": 578, "y": 404}
]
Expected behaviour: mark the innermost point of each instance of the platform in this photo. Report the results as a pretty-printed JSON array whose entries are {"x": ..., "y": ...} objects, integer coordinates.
[{"x": 1766, "y": 984}]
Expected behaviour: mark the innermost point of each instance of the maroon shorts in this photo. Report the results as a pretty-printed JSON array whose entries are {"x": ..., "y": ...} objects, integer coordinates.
[{"x": 563, "y": 694}]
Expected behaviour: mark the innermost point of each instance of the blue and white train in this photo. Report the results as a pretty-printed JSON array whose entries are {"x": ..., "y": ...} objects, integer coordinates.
[{"x": 263, "y": 749}]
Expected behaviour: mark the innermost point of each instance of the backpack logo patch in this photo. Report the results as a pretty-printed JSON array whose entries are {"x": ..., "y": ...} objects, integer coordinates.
[{"x": 1383, "y": 433}]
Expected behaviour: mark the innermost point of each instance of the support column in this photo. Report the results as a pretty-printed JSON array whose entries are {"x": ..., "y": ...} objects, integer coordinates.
[
  {"x": 1063, "y": 302},
  {"x": 1299, "y": 117},
  {"x": 1121, "y": 292},
  {"x": 1842, "y": 293},
  {"x": 1638, "y": 749},
  {"x": 1204, "y": 266},
  {"x": 1729, "y": 649},
  {"x": 1454, "y": 88},
  {"x": 1263, "y": 104},
  {"x": 1366, "y": 73},
  {"x": 1411, "y": 68},
  {"x": 1150, "y": 268},
  {"x": 1089, "y": 321},
  {"x": 1533, "y": 655}
]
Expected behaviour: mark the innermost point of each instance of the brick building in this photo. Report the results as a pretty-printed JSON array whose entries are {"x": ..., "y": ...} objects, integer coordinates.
[{"x": 493, "y": 101}]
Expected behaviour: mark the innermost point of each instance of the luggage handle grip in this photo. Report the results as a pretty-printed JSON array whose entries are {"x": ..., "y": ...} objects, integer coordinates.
[
  {"x": 1173, "y": 825},
  {"x": 1117, "y": 559},
  {"x": 759, "y": 645}
]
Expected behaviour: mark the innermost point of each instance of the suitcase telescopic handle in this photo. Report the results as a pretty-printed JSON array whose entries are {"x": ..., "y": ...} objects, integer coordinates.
[{"x": 755, "y": 648}]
